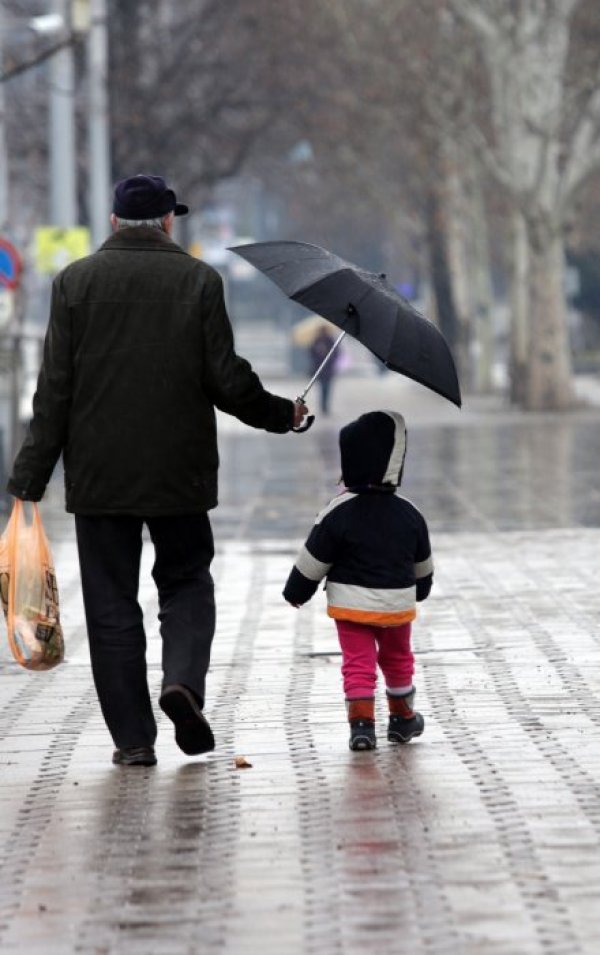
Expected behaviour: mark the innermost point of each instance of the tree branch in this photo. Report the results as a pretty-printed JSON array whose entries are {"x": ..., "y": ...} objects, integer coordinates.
[
  {"x": 72, "y": 40},
  {"x": 568, "y": 7},
  {"x": 579, "y": 162},
  {"x": 490, "y": 161},
  {"x": 588, "y": 164},
  {"x": 471, "y": 12}
]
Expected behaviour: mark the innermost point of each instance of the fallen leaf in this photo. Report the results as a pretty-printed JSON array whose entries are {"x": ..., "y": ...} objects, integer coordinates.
[{"x": 242, "y": 763}]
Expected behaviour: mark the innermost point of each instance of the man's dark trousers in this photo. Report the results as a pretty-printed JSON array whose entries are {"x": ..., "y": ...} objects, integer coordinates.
[{"x": 110, "y": 549}]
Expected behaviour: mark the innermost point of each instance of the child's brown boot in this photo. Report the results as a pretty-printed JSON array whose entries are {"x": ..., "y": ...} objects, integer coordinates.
[
  {"x": 361, "y": 716},
  {"x": 404, "y": 722}
]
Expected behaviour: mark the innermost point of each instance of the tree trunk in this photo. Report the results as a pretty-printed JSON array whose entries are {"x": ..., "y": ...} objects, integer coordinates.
[
  {"x": 526, "y": 48},
  {"x": 519, "y": 307},
  {"x": 549, "y": 385},
  {"x": 482, "y": 297},
  {"x": 441, "y": 279},
  {"x": 457, "y": 246}
]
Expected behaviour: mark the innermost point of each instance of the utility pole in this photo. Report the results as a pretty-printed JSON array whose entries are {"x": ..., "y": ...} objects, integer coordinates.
[
  {"x": 99, "y": 146},
  {"x": 3, "y": 150},
  {"x": 7, "y": 345},
  {"x": 63, "y": 188}
]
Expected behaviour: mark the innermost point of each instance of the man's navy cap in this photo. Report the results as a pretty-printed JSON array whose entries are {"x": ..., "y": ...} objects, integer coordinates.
[{"x": 145, "y": 197}]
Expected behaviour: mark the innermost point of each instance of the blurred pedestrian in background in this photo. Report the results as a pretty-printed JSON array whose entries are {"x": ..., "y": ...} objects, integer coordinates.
[
  {"x": 318, "y": 351},
  {"x": 139, "y": 352},
  {"x": 373, "y": 547}
]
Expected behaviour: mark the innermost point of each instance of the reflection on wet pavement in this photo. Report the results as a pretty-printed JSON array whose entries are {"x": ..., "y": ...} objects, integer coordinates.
[
  {"x": 516, "y": 473},
  {"x": 474, "y": 471}
]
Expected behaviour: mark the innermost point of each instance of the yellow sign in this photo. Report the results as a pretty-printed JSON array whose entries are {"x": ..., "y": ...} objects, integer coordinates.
[{"x": 55, "y": 248}]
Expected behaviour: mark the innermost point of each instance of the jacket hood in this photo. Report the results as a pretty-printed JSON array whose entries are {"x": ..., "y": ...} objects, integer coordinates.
[{"x": 373, "y": 449}]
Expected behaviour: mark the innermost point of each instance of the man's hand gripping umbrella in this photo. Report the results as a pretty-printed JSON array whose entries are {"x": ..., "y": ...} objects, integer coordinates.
[{"x": 300, "y": 410}]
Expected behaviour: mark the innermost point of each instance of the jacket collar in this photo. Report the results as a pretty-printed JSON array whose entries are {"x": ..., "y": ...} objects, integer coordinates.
[{"x": 146, "y": 238}]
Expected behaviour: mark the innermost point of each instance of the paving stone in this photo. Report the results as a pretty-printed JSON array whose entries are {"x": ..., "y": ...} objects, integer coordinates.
[{"x": 480, "y": 838}]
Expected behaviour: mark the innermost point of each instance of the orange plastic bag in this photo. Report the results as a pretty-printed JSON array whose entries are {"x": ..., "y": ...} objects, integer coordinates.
[{"x": 29, "y": 592}]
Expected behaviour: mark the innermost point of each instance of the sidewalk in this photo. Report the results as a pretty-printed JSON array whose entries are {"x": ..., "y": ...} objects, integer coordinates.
[{"x": 482, "y": 838}]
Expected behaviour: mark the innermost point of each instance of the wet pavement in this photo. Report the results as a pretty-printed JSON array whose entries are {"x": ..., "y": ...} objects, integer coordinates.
[{"x": 481, "y": 837}]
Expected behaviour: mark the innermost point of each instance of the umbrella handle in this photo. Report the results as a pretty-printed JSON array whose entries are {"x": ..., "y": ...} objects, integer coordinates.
[{"x": 307, "y": 424}]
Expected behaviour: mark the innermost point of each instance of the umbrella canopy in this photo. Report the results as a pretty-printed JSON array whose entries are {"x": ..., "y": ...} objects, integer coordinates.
[
  {"x": 364, "y": 305},
  {"x": 307, "y": 329}
]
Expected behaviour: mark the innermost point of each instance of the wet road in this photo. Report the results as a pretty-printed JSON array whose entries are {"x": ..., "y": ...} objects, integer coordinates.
[
  {"x": 481, "y": 469},
  {"x": 482, "y": 837}
]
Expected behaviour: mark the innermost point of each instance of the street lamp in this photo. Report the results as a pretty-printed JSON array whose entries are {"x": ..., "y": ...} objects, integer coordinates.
[
  {"x": 83, "y": 17},
  {"x": 63, "y": 181},
  {"x": 99, "y": 144},
  {"x": 46, "y": 24}
]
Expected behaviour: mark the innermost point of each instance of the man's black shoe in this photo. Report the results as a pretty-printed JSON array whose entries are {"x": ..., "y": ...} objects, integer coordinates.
[
  {"x": 193, "y": 734},
  {"x": 134, "y": 756}
]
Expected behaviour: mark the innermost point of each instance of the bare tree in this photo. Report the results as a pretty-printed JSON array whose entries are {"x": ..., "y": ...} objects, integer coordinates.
[
  {"x": 402, "y": 132},
  {"x": 385, "y": 92},
  {"x": 193, "y": 85},
  {"x": 544, "y": 143}
]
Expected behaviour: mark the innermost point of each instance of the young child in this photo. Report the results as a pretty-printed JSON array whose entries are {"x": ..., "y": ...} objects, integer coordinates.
[{"x": 373, "y": 547}]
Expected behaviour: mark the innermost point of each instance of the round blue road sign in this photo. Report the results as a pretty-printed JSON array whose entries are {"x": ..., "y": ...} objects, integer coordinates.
[{"x": 10, "y": 265}]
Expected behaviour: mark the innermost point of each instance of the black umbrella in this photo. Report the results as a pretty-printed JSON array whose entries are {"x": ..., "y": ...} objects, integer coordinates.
[{"x": 364, "y": 305}]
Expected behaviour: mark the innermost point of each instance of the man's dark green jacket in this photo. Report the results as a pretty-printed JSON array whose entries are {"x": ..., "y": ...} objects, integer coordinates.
[{"x": 139, "y": 352}]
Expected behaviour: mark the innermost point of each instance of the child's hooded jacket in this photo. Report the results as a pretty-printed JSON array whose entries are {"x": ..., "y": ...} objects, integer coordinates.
[{"x": 370, "y": 543}]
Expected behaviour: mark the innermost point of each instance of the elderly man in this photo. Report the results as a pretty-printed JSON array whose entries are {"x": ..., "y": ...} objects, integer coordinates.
[{"x": 139, "y": 352}]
